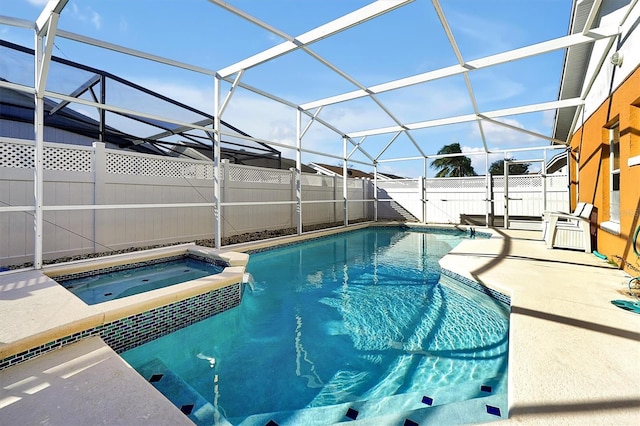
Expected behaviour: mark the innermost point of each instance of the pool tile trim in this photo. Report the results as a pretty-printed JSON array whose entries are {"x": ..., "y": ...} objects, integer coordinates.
[
  {"x": 402, "y": 227},
  {"x": 115, "y": 268},
  {"x": 134, "y": 330},
  {"x": 501, "y": 297}
]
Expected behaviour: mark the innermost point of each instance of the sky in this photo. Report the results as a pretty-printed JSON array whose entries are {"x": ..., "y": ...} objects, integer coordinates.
[{"x": 404, "y": 42}]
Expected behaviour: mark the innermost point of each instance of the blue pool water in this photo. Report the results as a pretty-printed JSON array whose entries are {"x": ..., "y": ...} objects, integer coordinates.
[
  {"x": 122, "y": 283},
  {"x": 362, "y": 316}
]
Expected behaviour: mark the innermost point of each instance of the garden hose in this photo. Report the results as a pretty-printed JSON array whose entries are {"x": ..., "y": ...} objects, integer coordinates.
[{"x": 635, "y": 250}]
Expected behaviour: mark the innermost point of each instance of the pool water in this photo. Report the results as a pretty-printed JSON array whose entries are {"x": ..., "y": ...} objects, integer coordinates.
[
  {"x": 360, "y": 316},
  {"x": 122, "y": 283}
]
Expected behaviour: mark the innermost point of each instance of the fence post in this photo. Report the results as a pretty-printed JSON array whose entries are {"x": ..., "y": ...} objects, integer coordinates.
[
  {"x": 99, "y": 193},
  {"x": 375, "y": 192},
  {"x": 544, "y": 182},
  {"x": 296, "y": 195},
  {"x": 423, "y": 197},
  {"x": 335, "y": 197},
  {"x": 225, "y": 183},
  {"x": 490, "y": 200}
]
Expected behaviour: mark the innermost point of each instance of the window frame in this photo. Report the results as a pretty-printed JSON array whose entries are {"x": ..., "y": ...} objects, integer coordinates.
[{"x": 614, "y": 173}]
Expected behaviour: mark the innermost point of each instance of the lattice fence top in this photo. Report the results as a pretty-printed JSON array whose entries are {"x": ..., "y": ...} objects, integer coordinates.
[
  {"x": 558, "y": 181},
  {"x": 555, "y": 182},
  {"x": 256, "y": 174},
  {"x": 399, "y": 184},
  {"x": 526, "y": 181},
  {"x": 457, "y": 183},
  {"x": 55, "y": 157},
  {"x": 519, "y": 182},
  {"x": 134, "y": 164}
]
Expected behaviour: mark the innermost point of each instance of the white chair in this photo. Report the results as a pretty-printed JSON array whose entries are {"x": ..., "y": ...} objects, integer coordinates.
[{"x": 569, "y": 230}]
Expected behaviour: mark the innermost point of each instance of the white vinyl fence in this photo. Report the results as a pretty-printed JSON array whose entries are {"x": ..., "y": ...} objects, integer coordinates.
[
  {"x": 86, "y": 176},
  {"x": 127, "y": 189},
  {"x": 447, "y": 200}
]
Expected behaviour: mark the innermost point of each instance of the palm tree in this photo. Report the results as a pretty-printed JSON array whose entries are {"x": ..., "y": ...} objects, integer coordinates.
[
  {"x": 453, "y": 166},
  {"x": 497, "y": 167}
]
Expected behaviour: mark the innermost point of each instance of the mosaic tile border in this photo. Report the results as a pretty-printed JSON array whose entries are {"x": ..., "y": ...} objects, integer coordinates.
[
  {"x": 501, "y": 297},
  {"x": 414, "y": 228},
  {"x": 150, "y": 262},
  {"x": 135, "y": 330},
  {"x": 449, "y": 231}
]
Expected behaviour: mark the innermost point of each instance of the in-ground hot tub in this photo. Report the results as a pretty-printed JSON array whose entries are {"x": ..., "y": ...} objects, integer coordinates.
[
  {"x": 115, "y": 282},
  {"x": 126, "y": 322},
  {"x": 149, "y": 274}
]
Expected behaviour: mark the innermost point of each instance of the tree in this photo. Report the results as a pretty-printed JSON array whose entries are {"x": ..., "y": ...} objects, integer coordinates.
[
  {"x": 497, "y": 167},
  {"x": 453, "y": 166}
]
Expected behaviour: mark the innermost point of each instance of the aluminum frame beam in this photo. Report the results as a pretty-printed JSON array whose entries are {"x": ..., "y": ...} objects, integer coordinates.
[
  {"x": 461, "y": 62},
  {"x": 488, "y": 61},
  {"x": 133, "y": 52},
  {"x": 323, "y": 31},
  {"x": 17, "y": 22},
  {"x": 471, "y": 117},
  {"x": 345, "y": 22},
  {"x": 53, "y": 7},
  {"x": 78, "y": 92}
]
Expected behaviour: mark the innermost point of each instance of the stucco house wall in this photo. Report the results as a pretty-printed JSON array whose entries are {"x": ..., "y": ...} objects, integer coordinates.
[{"x": 614, "y": 98}]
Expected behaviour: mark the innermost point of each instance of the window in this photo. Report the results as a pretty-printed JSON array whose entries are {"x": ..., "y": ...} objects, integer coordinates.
[{"x": 614, "y": 162}]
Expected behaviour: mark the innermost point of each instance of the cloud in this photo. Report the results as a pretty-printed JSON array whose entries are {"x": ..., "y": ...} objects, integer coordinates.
[
  {"x": 124, "y": 25},
  {"x": 38, "y": 2},
  {"x": 548, "y": 117},
  {"x": 474, "y": 27},
  {"x": 86, "y": 14},
  {"x": 96, "y": 19},
  {"x": 478, "y": 160},
  {"x": 501, "y": 137}
]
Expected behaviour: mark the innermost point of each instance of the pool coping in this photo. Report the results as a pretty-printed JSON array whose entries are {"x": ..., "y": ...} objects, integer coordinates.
[{"x": 53, "y": 313}]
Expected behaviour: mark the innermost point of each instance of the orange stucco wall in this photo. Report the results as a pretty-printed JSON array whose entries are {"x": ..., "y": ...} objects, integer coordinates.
[{"x": 589, "y": 168}]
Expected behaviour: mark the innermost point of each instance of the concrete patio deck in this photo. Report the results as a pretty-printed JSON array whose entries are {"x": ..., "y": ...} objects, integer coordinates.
[{"x": 572, "y": 354}]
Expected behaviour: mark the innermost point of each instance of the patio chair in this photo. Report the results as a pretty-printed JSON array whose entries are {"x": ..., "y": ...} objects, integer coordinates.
[{"x": 569, "y": 230}]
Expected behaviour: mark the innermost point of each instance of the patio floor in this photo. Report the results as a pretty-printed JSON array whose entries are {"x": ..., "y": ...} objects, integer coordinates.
[{"x": 572, "y": 354}]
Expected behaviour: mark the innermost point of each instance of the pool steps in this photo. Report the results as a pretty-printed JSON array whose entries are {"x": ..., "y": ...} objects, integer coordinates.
[
  {"x": 468, "y": 404},
  {"x": 176, "y": 390},
  {"x": 472, "y": 411}
]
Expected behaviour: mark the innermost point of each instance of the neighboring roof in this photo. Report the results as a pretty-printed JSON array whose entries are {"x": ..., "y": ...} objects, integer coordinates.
[
  {"x": 329, "y": 170},
  {"x": 19, "y": 106},
  {"x": 557, "y": 162},
  {"x": 288, "y": 163}
]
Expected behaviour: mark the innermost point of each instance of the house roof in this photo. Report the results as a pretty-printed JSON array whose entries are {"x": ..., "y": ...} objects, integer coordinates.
[
  {"x": 351, "y": 172},
  {"x": 574, "y": 70},
  {"x": 19, "y": 106}
]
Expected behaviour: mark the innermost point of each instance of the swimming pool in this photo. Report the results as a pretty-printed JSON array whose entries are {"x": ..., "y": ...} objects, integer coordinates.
[
  {"x": 359, "y": 322},
  {"x": 99, "y": 286}
]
